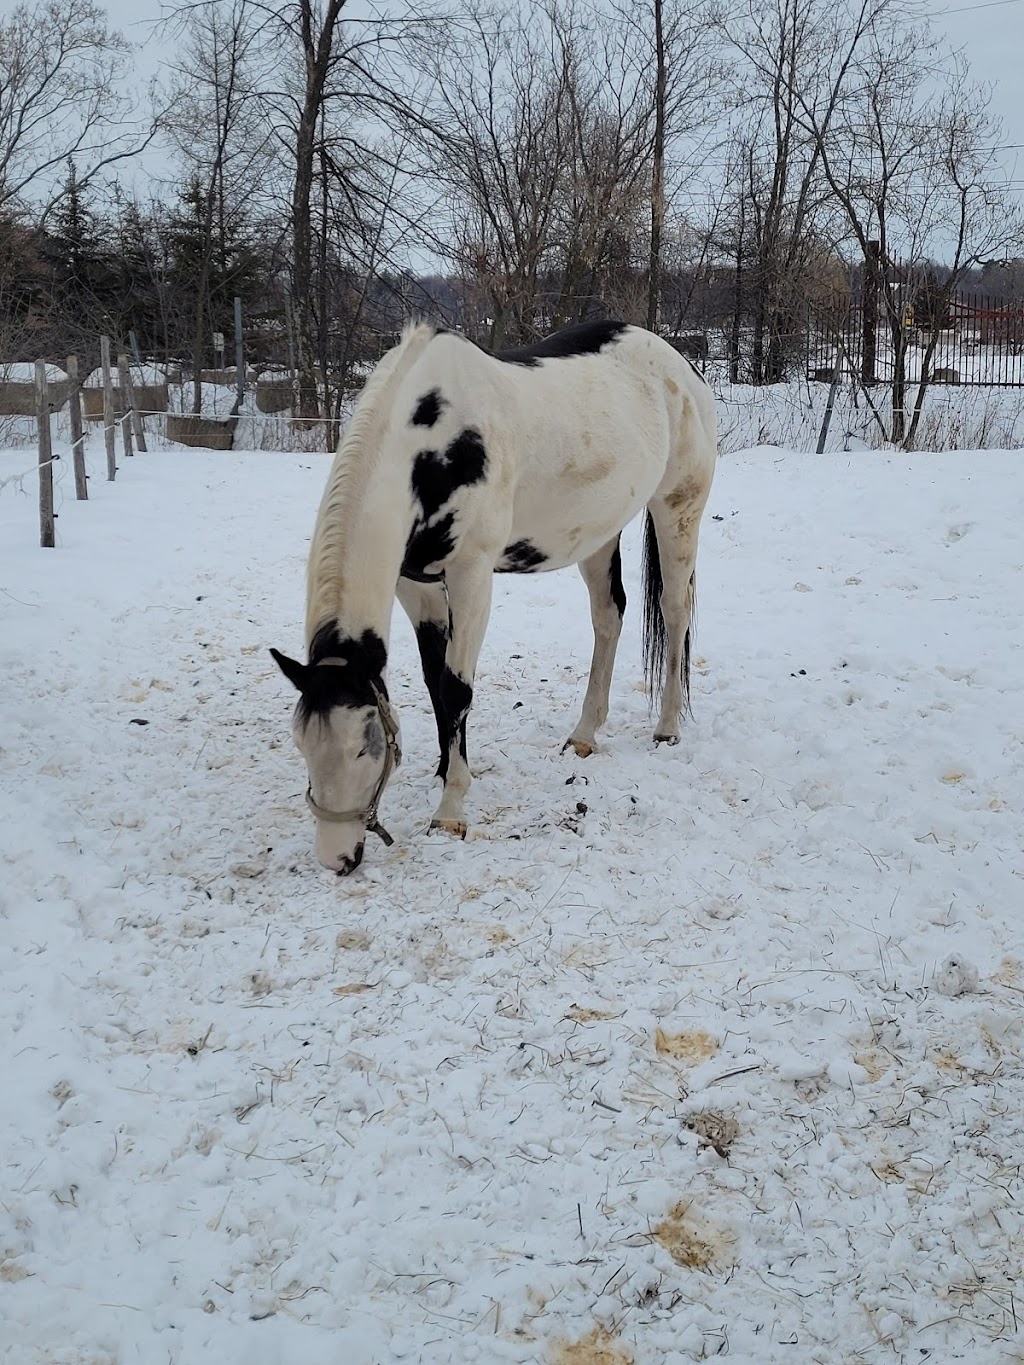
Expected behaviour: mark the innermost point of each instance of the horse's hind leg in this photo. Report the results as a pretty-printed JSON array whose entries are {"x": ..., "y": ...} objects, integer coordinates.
[
  {"x": 602, "y": 574},
  {"x": 675, "y": 525},
  {"x": 426, "y": 605}
]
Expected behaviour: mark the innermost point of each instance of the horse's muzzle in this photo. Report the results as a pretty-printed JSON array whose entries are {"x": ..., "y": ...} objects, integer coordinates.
[{"x": 347, "y": 865}]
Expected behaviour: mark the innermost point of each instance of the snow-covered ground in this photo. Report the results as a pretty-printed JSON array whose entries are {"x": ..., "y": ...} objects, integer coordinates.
[{"x": 709, "y": 1052}]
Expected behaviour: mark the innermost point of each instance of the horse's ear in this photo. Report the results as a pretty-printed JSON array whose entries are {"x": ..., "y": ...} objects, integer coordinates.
[{"x": 291, "y": 668}]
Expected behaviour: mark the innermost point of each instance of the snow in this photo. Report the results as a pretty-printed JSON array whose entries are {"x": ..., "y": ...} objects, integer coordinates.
[
  {"x": 682, "y": 1053},
  {"x": 24, "y": 372},
  {"x": 141, "y": 374}
]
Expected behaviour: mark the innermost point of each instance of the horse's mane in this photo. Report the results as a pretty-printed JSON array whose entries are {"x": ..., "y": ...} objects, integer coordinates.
[{"x": 355, "y": 459}]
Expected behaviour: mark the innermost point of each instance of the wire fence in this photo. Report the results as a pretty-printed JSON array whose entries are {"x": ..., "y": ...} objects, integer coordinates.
[
  {"x": 968, "y": 340},
  {"x": 979, "y": 353}
]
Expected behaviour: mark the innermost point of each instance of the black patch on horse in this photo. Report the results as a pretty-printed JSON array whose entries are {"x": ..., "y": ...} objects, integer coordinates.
[
  {"x": 615, "y": 581},
  {"x": 585, "y": 338},
  {"x": 429, "y": 543},
  {"x": 428, "y": 409},
  {"x": 522, "y": 557},
  {"x": 347, "y": 682},
  {"x": 433, "y": 644},
  {"x": 456, "y": 699},
  {"x": 437, "y": 475},
  {"x": 416, "y": 575}
]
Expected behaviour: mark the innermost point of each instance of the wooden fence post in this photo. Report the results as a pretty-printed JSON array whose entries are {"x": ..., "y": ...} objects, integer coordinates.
[
  {"x": 108, "y": 409},
  {"x": 77, "y": 434},
  {"x": 126, "y": 415},
  {"x": 833, "y": 389},
  {"x": 239, "y": 354},
  {"x": 137, "y": 426},
  {"x": 47, "y": 539}
]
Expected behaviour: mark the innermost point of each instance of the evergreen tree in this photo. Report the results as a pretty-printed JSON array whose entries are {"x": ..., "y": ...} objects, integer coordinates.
[{"x": 85, "y": 294}]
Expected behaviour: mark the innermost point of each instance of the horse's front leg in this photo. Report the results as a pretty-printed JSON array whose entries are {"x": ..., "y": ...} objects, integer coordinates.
[
  {"x": 426, "y": 605},
  {"x": 469, "y": 605}
]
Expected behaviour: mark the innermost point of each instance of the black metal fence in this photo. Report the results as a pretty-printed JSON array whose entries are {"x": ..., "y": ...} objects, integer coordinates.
[{"x": 980, "y": 338}]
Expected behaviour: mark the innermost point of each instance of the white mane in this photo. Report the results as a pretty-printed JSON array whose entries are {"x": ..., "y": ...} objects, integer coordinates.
[{"x": 355, "y": 459}]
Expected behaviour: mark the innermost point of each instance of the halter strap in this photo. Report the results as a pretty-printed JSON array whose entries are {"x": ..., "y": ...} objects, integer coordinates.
[{"x": 392, "y": 758}]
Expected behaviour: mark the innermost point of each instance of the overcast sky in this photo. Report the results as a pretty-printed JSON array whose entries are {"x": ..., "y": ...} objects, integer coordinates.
[
  {"x": 989, "y": 33},
  {"x": 991, "y": 36}
]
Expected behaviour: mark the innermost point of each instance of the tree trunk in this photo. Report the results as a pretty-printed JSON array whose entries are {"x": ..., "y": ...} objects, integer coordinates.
[
  {"x": 302, "y": 265},
  {"x": 899, "y": 382},
  {"x": 737, "y": 310},
  {"x": 658, "y": 174},
  {"x": 317, "y": 51},
  {"x": 869, "y": 343}
]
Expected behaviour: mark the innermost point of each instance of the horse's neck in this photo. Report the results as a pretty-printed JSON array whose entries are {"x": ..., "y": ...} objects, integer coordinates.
[
  {"x": 358, "y": 546},
  {"x": 366, "y": 512}
]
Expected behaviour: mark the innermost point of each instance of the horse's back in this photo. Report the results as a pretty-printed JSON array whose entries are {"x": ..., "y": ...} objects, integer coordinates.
[{"x": 570, "y": 438}]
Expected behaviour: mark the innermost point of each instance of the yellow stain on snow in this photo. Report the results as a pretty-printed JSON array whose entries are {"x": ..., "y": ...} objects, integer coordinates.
[
  {"x": 691, "y": 1047},
  {"x": 596, "y": 1348},
  {"x": 692, "y": 1241}
]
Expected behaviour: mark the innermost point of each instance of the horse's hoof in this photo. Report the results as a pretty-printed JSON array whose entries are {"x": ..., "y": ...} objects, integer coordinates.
[
  {"x": 580, "y": 746},
  {"x": 456, "y": 827},
  {"x": 666, "y": 739}
]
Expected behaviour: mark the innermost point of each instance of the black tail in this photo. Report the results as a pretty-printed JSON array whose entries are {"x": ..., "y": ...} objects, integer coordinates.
[
  {"x": 655, "y": 636},
  {"x": 654, "y": 622}
]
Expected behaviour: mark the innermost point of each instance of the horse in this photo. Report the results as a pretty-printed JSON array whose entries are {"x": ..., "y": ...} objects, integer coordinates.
[{"x": 459, "y": 463}]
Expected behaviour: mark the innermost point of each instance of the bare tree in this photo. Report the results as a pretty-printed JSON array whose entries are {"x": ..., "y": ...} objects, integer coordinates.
[
  {"x": 221, "y": 140},
  {"x": 331, "y": 99},
  {"x": 545, "y": 127},
  {"x": 61, "y": 96},
  {"x": 917, "y": 177},
  {"x": 794, "y": 55},
  {"x": 499, "y": 133}
]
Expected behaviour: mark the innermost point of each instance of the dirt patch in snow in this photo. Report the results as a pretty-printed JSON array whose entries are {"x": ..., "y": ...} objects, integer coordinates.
[
  {"x": 596, "y": 1348},
  {"x": 692, "y": 1241},
  {"x": 690, "y": 1047}
]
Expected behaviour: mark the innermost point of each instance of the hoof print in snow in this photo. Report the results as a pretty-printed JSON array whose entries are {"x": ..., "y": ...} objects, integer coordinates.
[
  {"x": 717, "y": 1131},
  {"x": 62, "y": 1092},
  {"x": 573, "y": 821},
  {"x": 957, "y": 976},
  {"x": 250, "y": 870},
  {"x": 259, "y": 984}
]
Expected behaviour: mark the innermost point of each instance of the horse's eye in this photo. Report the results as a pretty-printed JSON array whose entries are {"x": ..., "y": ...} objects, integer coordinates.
[{"x": 361, "y": 753}]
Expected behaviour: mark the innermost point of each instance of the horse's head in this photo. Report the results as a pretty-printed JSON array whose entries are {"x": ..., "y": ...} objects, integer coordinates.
[{"x": 346, "y": 731}]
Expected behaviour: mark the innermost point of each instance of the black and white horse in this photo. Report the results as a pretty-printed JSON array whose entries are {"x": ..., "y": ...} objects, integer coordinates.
[{"x": 458, "y": 464}]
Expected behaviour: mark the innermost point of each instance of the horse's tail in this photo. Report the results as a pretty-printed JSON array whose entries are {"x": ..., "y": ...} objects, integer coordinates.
[{"x": 655, "y": 635}]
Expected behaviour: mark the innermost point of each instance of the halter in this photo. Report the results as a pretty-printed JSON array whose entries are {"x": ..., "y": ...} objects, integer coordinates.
[{"x": 392, "y": 758}]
